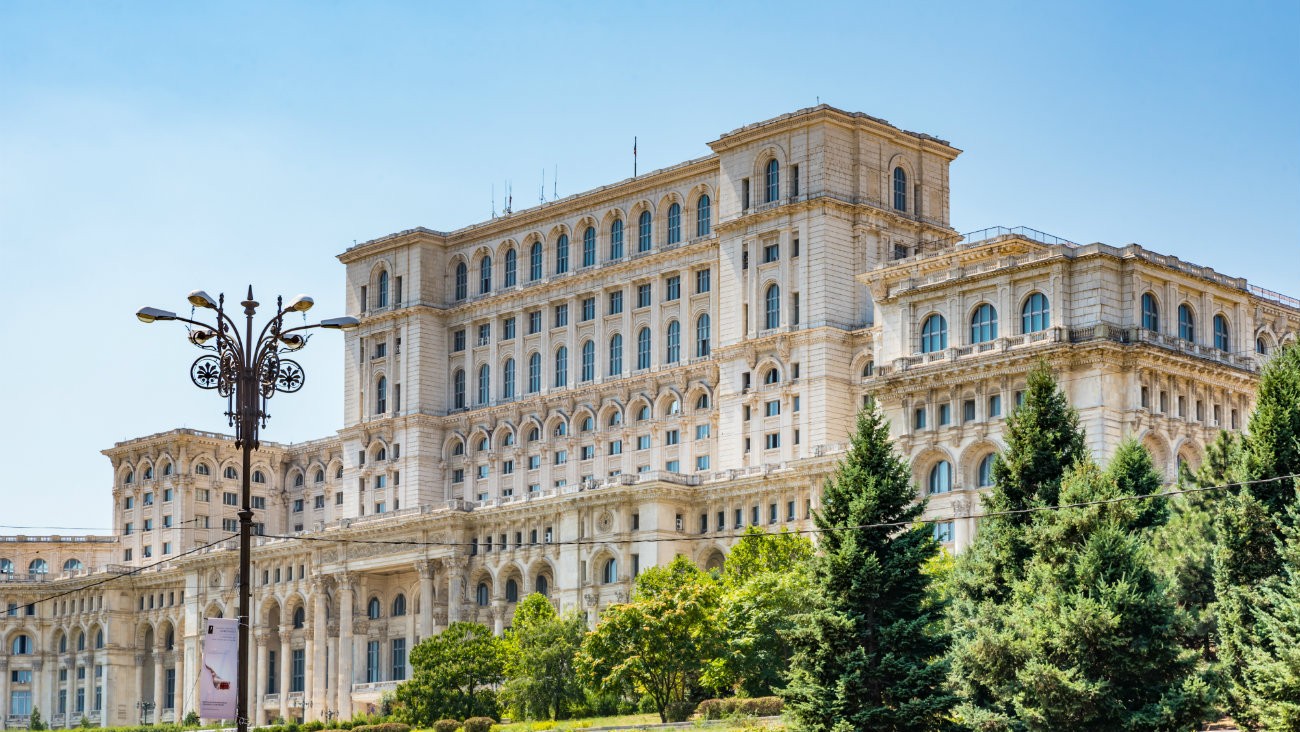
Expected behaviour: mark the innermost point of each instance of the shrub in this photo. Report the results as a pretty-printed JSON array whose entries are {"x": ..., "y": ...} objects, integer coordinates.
[
  {"x": 383, "y": 727},
  {"x": 678, "y": 711},
  {"x": 763, "y": 706},
  {"x": 446, "y": 725},
  {"x": 479, "y": 724},
  {"x": 314, "y": 726}
]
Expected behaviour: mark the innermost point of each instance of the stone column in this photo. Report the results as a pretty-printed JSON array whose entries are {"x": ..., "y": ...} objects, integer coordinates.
[
  {"x": 286, "y": 653},
  {"x": 425, "y": 569},
  {"x": 498, "y": 615},
  {"x": 4, "y": 688},
  {"x": 38, "y": 686},
  {"x": 345, "y": 648},
  {"x": 178, "y": 704},
  {"x": 318, "y": 669},
  {"x": 72, "y": 682},
  {"x": 259, "y": 679},
  {"x": 159, "y": 684},
  {"x": 455, "y": 593}
]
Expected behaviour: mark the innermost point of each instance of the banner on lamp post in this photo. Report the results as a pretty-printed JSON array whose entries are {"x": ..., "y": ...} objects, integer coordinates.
[{"x": 218, "y": 690}]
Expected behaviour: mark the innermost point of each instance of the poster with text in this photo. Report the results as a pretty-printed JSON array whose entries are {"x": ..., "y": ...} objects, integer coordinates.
[{"x": 218, "y": 692}]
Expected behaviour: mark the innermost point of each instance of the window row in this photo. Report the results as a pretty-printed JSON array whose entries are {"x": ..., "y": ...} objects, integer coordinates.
[
  {"x": 1035, "y": 316},
  {"x": 1186, "y": 322}
]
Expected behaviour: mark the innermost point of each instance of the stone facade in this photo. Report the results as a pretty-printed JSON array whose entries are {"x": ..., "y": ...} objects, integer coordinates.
[{"x": 555, "y": 399}]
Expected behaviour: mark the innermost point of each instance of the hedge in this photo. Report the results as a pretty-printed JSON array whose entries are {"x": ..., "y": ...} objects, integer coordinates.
[
  {"x": 446, "y": 725},
  {"x": 763, "y": 706},
  {"x": 383, "y": 727},
  {"x": 479, "y": 724}
]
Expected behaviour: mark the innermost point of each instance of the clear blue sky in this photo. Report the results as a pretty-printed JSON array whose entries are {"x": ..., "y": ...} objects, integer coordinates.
[{"x": 150, "y": 148}]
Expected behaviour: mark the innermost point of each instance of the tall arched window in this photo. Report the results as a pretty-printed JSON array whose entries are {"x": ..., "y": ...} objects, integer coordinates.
[
  {"x": 399, "y": 605},
  {"x": 588, "y": 360},
  {"x": 202, "y": 469},
  {"x": 508, "y": 379},
  {"x": 984, "y": 324},
  {"x": 562, "y": 254},
  {"x": 512, "y": 591},
  {"x": 373, "y": 609},
  {"x": 772, "y": 307},
  {"x": 458, "y": 389},
  {"x": 38, "y": 566},
  {"x": 616, "y": 354},
  {"x": 6, "y": 566},
  {"x": 299, "y": 617},
  {"x": 535, "y": 262},
  {"x": 643, "y": 229},
  {"x": 609, "y": 574},
  {"x": 589, "y": 246},
  {"x": 1150, "y": 312},
  {"x": 534, "y": 373},
  {"x": 72, "y": 565},
  {"x": 462, "y": 281},
  {"x": 1036, "y": 315},
  {"x": 934, "y": 334},
  {"x": 702, "y": 331},
  {"x": 702, "y": 215},
  {"x": 540, "y": 585},
  {"x": 383, "y": 289},
  {"x": 512, "y": 267},
  {"x": 772, "y": 181},
  {"x": 561, "y": 366},
  {"x": 900, "y": 189},
  {"x": 941, "y": 477},
  {"x": 674, "y": 352},
  {"x": 22, "y": 645},
  {"x": 1186, "y": 323},
  {"x": 481, "y": 594},
  {"x": 1221, "y": 340},
  {"x": 985, "y": 477},
  {"x": 485, "y": 276},
  {"x": 484, "y": 384},
  {"x": 643, "y": 349},
  {"x": 674, "y": 223},
  {"x": 319, "y": 477},
  {"x": 1261, "y": 347},
  {"x": 616, "y": 239},
  {"x": 99, "y": 638},
  {"x": 381, "y": 395}
]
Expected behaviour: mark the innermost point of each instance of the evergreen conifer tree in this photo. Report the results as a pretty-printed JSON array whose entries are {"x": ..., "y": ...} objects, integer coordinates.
[{"x": 870, "y": 655}]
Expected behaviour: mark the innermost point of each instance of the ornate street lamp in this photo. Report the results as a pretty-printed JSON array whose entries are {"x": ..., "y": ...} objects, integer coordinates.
[{"x": 247, "y": 373}]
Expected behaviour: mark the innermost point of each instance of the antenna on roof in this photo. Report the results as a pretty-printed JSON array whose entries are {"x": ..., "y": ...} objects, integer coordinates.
[
  {"x": 541, "y": 194},
  {"x": 510, "y": 198},
  {"x": 555, "y": 183},
  {"x": 494, "y": 200},
  {"x": 819, "y": 101},
  {"x": 633, "y": 156}
]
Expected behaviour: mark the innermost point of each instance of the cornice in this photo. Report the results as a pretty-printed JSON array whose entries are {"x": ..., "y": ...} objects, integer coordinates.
[{"x": 824, "y": 113}]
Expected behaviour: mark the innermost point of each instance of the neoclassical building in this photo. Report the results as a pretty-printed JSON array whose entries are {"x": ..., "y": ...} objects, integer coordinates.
[{"x": 554, "y": 399}]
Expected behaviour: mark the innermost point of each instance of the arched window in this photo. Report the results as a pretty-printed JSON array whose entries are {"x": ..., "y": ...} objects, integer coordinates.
[
  {"x": 934, "y": 334},
  {"x": 588, "y": 360},
  {"x": 319, "y": 477},
  {"x": 643, "y": 349},
  {"x": 562, "y": 254},
  {"x": 674, "y": 407},
  {"x": 512, "y": 267},
  {"x": 1221, "y": 340},
  {"x": 984, "y": 324},
  {"x": 484, "y": 384},
  {"x": 298, "y": 480},
  {"x": 99, "y": 638},
  {"x": 481, "y": 594},
  {"x": 772, "y": 181},
  {"x": 643, "y": 413},
  {"x": 483, "y": 444},
  {"x": 259, "y": 476},
  {"x": 540, "y": 585},
  {"x": 535, "y": 262},
  {"x": 508, "y": 379},
  {"x": 72, "y": 565},
  {"x": 458, "y": 389},
  {"x": 771, "y": 376},
  {"x": 674, "y": 223},
  {"x": 383, "y": 289},
  {"x": 512, "y": 591},
  {"x": 900, "y": 189},
  {"x": 702, "y": 336},
  {"x": 338, "y": 475},
  {"x": 202, "y": 469},
  {"x": 38, "y": 566},
  {"x": 381, "y": 395},
  {"x": 462, "y": 281},
  {"x": 534, "y": 434},
  {"x": 373, "y": 608},
  {"x": 1261, "y": 347},
  {"x": 63, "y": 644},
  {"x": 6, "y": 566},
  {"x": 589, "y": 246},
  {"x": 674, "y": 352},
  {"x": 702, "y": 215},
  {"x": 984, "y": 479},
  {"x": 1036, "y": 315},
  {"x": 643, "y": 228},
  {"x": 381, "y": 454},
  {"x": 485, "y": 276},
  {"x": 167, "y": 469},
  {"x": 299, "y": 617},
  {"x": 457, "y": 448},
  {"x": 1150, "y": 312},
  {"x": 772, "y": 307},
  {"x": 129, "y": 478},
  {"x": 169, "y": 640},
  {"x": 561, "y": 366},
  {"x": 1186, "y": 323},
  {"x": 616, "y": 239},
  {"x": 399, "y": 605},
  {"x": 534, "y": 373},
  {"x": 148, "y": 473},
  {"x": 616, "y": 354},
  {"x": 702, "y": 402},
  {"x": 22, "y": 645},
  {"x": 230, "y": 472},
  {"x": 615, "y": 419},
  {"x": 941, "y": 477},
  {"x": 609, "y": 574},
  {"x": 81, "y": 641},
  {"x": 869, "y": 369}
]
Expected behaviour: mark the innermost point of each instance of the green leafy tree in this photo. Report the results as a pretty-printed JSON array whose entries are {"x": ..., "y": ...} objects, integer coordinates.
[
  {"x": 869, "y": 655},
  {"x": 759, "y": 552},
  {"x": 542, "y": 682},
  {"x": 454, "y": 675},
  {"x": 660, "y": 643},
  {"x": 34, "y": 722}
]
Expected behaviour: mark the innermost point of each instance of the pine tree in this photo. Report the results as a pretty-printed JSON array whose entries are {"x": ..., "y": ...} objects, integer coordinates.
[
  {"x": 1272, "y": 668},
  {"x": 870, "y": 655}
]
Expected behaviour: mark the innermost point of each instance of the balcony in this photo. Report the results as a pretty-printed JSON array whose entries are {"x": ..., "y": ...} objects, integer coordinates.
[{"x": 374, "y": 687}]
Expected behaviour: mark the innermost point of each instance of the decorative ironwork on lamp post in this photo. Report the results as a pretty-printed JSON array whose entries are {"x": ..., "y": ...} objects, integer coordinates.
[{"x": 247, "y": 373}]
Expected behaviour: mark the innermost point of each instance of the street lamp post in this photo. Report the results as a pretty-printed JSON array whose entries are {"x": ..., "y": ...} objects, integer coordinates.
[
  {"x": 247, "y": 373},
  {"x": 303, "y": 704},
  {"x": 144, "y": 707}
]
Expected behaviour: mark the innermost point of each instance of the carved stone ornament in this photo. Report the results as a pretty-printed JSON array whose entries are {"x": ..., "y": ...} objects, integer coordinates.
[{"x": 605, "y": 522}]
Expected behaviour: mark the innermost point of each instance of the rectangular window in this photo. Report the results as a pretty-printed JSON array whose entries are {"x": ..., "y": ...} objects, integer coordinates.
[
  {"x": 754, "y": 516},
  {"x": 995, "y": 406},
  {"x": 721, "y": 521},
  {"x": 945, "y": 414},
  {"x": 615, "y": 302},
  {"x": 772, "y": 440},
  {"x": 507, "y": 467},
  {"x": 674, "y": 288},
  {"x": 643, "y": 296},
  {"x": 534, "y": 462},
  {"x": 148, "y": 551},
  {"x": 259, "y": 502},
  {"x": 230, "y": 525},
  {"x": 129, "y": 528},
  {"x": 458, "y": 475},
  {"x": 918, "y": 418},
  {"x": 535, "y": 322},
  {"x": 338, "y": 498},
  {"x": 794, "y": 186},
  {"x": 588, "y": 308},
  {"x": 744, "y": 194},
  {"x": 943, "y": 532},
  {"x": 794, "y": 308},
  {"x": 167, "y": 494},
  {"x": 372, "y": 662},
  {"x": 381, "y": 349},
  {"x": 484, "y": 334},
  {"x": 561, "y": 318},
  {"x": 297, "y": 670},
  {"x": 702, "y": 281},
  {"x": 482, "y": 472},
  {"x": 458, "y": 341},
  {"x": 673, "y": 466},
  {"x": 789, "y": 510},
  {"x": 319, "y": 502},
  {"x": 508, "y": 329},
  {"x": 771, "y": 252},
  {"x": 740, "y": 519},
  {"x": 561, "y": 457},
  {"x": 588, "y": 452},
  {"x": 702, "y": 431},
  {"x": 643, "y": 442},
  {"x": 148, "y": 524},
  {"x": 701, "y": 462},
  {"x": 297, "y": 505},
  {"x": 672, "y": 437},
  {"x": 148, "y": 499},
  {"x": 616, "y": 447},
  {"x": 746, "y": 412},
  {"x": 794, "y": 405},
  {"x": 772, "y": 408},
  {"x": 167, "y": 547},
  {"x": 398, "y": 655}
]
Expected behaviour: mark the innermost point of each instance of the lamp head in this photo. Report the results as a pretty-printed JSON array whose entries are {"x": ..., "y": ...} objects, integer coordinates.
[
  {"x": 293, "y": 341},
  {"x": 347, "y": 322},
  {"x": 201, "y": 299},
  {"x": 199, "y": 337},
  {"x": 148, "y": 315},
  {"x": 300, "y": 304}
]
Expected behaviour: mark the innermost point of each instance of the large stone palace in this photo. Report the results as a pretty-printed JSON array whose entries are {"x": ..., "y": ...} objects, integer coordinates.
[{"x": 557, "y": 398}]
